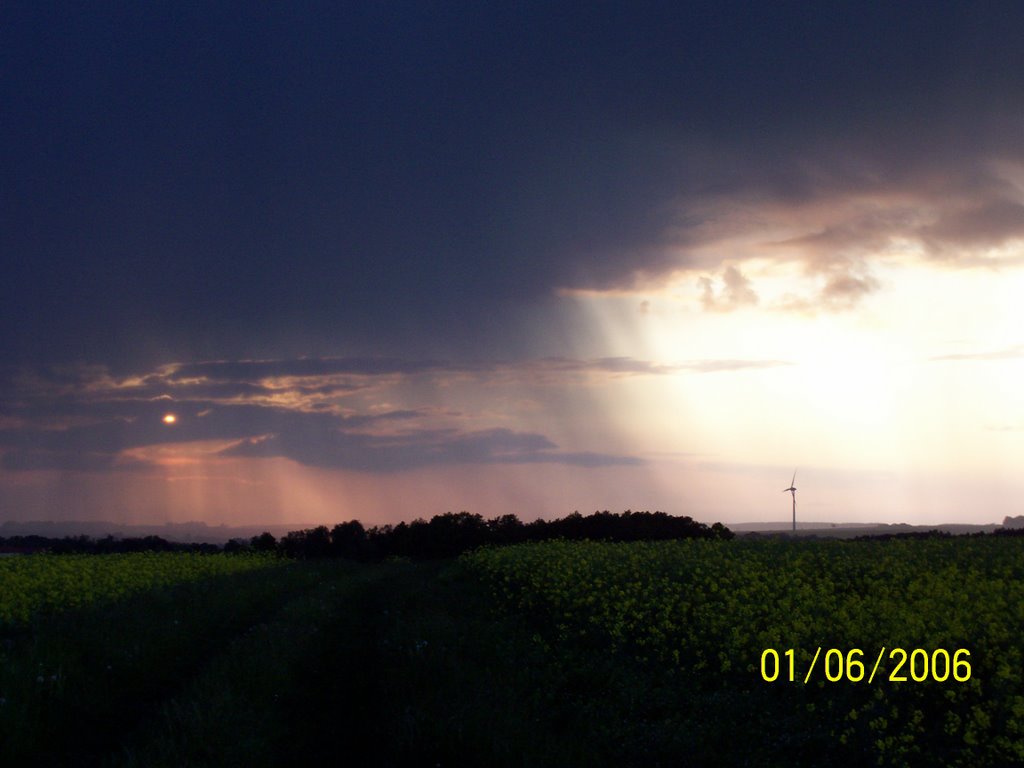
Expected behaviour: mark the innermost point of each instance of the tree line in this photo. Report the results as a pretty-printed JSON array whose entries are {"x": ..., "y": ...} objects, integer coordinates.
[
  {"x": 442, "y": 536},
  {"x": 452, "y": 533}
]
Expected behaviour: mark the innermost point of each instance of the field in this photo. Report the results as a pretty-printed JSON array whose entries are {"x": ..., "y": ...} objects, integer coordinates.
[
  {"x": 692, "y": 622},
  {"x": 556, "y": 653},
  {"x": 36, "y": 585}
]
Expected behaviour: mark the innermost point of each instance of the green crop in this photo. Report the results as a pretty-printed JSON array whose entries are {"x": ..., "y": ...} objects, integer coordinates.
[
  {"x": 49, "y": 583},
  {"x": 702, "y": 613}
]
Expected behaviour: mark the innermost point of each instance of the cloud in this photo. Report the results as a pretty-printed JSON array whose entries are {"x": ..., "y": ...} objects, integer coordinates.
[
  {"x": 92, "y": 421},
  {"x": 340, "y": 450},
  {"x": 306, "y": 367},
  {"x": 612, "y": 365},
  {"x": 235, "y": 396},
  {"x": 955, "y": 211},
  {"x": 716, "y": 366},
  {"x": 1010, "y": 353},
  {"x": 986, "y": 224},
  {"x": 845, "y": 290},
  {"x": 423, "y": 231},
  {"x": 68, "y": 461},
  {"x": 315, "y": 439},
  {"x": 247, "y": 391},
  {"x": 736, "y": 292},
  {"x": 286, "y": 408}
]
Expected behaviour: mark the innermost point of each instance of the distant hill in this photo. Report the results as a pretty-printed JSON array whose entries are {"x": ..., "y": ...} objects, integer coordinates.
[
  {"x": 196, "y": 532},
  {"x": 852, "y": 530}
]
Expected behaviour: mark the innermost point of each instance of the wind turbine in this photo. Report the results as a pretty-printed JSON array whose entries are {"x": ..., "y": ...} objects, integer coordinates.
[{"x": 792, "y": 489}]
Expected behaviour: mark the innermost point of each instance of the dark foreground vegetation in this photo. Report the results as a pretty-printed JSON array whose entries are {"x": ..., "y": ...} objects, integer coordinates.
[
  {"x": 541, "y": 654},
  {"x": 314, "y": 663}
]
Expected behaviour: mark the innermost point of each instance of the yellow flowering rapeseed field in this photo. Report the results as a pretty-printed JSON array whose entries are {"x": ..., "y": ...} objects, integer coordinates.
[
  {"x": 49, "y": 583},
  {"x": 897, "y": 649}
]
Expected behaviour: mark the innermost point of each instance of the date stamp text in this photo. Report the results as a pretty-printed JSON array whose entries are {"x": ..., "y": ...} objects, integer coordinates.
[{"x": 897, "y": 665}]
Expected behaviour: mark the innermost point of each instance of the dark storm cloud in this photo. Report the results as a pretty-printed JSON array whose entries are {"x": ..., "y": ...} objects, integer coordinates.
[
  {"x": 230, "y": 181},
  {"x": 334, "y": 449},
  {"x": 67, "y": 461},
  {"x": 248, "y": 370},
  {"x": 244, "y": 373}
]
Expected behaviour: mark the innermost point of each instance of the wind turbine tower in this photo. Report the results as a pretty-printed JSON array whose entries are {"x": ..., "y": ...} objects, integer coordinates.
[{"x": 792, "y": 490}]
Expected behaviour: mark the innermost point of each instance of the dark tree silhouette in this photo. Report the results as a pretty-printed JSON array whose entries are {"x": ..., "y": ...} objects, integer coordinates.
[
  {"x": 442, "y": 536},
  {"x": 265, "y": 542},
  {"x": 349, "y": 540},
  {"x": 452, "y": 533}
]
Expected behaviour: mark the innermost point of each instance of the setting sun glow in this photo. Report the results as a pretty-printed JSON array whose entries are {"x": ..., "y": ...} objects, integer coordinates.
[{"x": 170, "y": 418}]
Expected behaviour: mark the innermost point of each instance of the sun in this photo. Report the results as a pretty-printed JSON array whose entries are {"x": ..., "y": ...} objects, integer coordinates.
[{"x": 170, "y": 418}]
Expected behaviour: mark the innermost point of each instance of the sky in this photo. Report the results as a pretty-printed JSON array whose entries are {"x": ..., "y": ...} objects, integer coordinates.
[{"x": 387, "y": 260}]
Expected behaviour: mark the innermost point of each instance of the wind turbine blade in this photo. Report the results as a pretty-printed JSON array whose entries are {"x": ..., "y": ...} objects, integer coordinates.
[{"x": 793, "y": 481}]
